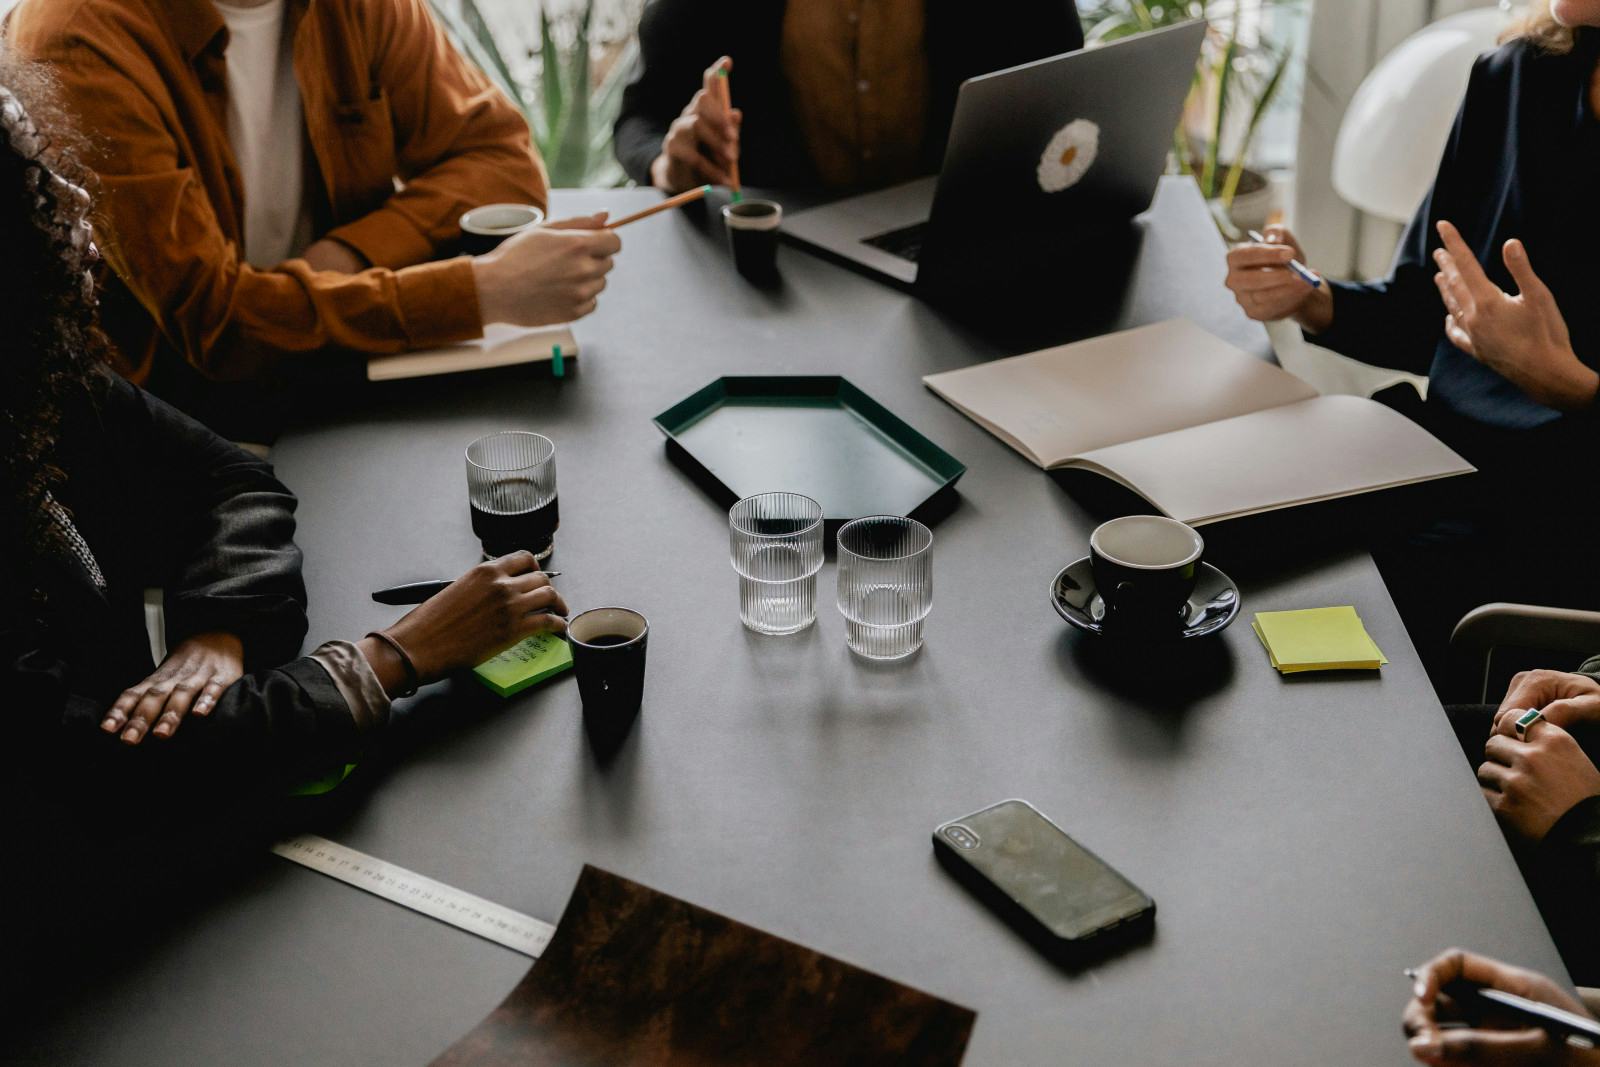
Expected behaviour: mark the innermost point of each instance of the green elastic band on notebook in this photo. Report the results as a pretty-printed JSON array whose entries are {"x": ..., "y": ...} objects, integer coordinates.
[
  {"x": 327, "y": 784},
  {"x": 558, "y": 366}
]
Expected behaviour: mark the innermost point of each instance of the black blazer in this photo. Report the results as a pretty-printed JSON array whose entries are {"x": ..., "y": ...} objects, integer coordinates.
[
  {"x": 679, "y": 39},
  {"x": 163, "y": 502}
]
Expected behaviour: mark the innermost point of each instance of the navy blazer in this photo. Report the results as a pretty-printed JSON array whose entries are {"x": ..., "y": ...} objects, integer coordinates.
[{"x": 1522, "y": 161}]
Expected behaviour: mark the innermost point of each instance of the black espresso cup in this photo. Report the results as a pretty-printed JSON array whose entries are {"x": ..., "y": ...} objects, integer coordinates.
[
  {"x": 752, "y": 227},
  {"x": 483, "y": 228},
  {"x": 1145, "y": 568},
  {"x": 608, "y": 647}
]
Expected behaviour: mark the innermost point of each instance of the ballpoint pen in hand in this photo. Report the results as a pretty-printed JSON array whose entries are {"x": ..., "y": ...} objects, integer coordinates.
[
  {"x": 417, "y": 592},
  {"x": 1301, "y": 271}
]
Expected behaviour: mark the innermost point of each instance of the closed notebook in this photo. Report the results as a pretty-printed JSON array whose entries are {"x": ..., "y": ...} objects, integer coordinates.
[
  {"x": 500, "y": 346},
  {"x": 1317, "y": 639},
  {"x": 1200, "y": 429},
  {"x": 528, "y": 662}
]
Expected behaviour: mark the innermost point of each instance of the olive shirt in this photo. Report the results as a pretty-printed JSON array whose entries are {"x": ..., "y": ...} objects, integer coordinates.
[{"x": 830, "y": 102}]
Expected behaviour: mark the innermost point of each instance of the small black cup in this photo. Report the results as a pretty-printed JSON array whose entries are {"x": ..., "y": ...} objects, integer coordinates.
[
  {"x": 608, "y": 648},
  {"x": 1145, "y": 567},
  {"x": 752, "y": 227},
  {"x": 483, "y": 228}
]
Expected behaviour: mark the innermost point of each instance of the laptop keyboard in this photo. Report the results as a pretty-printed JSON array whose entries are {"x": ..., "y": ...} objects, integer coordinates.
[{"x": 905, "y": 243}]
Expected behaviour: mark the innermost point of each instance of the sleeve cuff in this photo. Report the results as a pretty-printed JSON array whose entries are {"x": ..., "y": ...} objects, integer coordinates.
[
  {"x": 386, "y": 239},
  {"x": 1578, "y": 828},
  {"x": 439, "y": 303},
  {"x": 354, "y": 678}
]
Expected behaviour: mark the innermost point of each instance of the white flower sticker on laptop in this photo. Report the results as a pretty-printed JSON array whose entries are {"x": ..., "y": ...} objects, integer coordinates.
[{"x": 1069, "y": 155}]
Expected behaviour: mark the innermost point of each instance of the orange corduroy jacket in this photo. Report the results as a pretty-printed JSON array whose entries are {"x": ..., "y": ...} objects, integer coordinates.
[{"x": 403, "y": 134}]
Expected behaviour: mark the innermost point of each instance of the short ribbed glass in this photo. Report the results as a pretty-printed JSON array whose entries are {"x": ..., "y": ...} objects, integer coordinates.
[
  {"x": 775, "y": 541},
  {"x": 885, "y": 584},
  {"x": 511, "y": 485}
]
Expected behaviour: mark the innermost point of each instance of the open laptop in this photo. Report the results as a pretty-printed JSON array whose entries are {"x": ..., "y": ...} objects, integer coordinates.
[{"x": 1040, "y": 156}]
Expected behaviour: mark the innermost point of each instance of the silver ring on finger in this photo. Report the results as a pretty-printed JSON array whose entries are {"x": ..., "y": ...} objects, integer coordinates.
[{"x": 1525, "y": 722}]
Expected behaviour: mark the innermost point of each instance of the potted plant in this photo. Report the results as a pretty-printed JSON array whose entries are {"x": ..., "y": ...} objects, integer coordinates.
[
  {"x": 1239, "y": 75},
  {"x": 569, "y": 109}
]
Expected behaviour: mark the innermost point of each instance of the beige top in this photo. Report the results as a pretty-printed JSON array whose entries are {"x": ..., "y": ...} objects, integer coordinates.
[{"x": 858, "y": 81}]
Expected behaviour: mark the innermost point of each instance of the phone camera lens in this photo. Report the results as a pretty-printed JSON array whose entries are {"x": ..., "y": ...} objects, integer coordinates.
[{"x": 962, "y": 837}]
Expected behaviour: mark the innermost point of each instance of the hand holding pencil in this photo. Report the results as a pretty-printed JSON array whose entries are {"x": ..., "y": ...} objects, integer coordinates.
[{"x": 702, "y": 145}]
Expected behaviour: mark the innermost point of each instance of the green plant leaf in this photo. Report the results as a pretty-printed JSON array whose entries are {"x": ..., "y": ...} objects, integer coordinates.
[
  {"x": 571, "y": 154},
  {"x": 499, "y": 70},
  {"x": 1222, "y": 75},
  {"x": 550, "y": 88},
  {"x": 1262, "y": 105}
]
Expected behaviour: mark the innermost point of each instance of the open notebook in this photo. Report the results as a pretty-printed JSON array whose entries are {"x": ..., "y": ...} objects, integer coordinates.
[
  {"x": 1198, "y": 428},
  {"x": 500, "y": 346}
]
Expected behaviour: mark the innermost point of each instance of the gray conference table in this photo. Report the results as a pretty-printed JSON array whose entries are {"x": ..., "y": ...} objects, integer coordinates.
[{"x": 1304, "y": 839}]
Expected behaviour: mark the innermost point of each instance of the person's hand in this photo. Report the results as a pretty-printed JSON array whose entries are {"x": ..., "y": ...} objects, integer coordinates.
[
  {"x": 328, "y": 254},
  {"x": 547, "y": 274},
  {"x": 482, "y": 613},
  {"x": 191, "y": 678},
  {"x": 1564, "y": 698},
  {"x": 1429, "y": 1013},
  {"x": 702, "y": 144},
  {"x": 1522, "y": 338},
  {"x": 1268, "y": 290},
  {"x": 1531, "y": 783}
]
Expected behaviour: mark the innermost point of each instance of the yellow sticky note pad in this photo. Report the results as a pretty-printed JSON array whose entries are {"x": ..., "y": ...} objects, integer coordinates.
[
  {"x": 1317, "y": 639},
  {"x": 531, "y": 660}
]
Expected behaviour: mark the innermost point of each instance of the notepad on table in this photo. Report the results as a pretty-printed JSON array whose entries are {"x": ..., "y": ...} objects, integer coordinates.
[
  {"x": 1199, "y": 428},
  {"x": 529, "y": 661},
  {"x": 1317, "y": 639},
  {"x": 500, "y": 346}
]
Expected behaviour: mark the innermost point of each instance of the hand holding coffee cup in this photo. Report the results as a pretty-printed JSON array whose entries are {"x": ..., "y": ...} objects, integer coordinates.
[
  {"x": 1145, "y": 567},
  {"x": 539, "y": 273}
]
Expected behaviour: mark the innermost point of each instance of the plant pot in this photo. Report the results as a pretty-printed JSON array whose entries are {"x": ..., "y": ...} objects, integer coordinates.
[{"x": 1253, "y": 202}]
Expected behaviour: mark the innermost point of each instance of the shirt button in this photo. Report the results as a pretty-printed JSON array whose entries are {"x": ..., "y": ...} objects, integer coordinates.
[{"x": 863, "y": 85}]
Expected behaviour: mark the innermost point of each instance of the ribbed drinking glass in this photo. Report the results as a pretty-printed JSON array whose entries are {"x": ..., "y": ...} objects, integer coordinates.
[
  {"x": 885, "y": 584},
  {"x": 775, "y": 540},
  {"x": 511, "y": 485}
]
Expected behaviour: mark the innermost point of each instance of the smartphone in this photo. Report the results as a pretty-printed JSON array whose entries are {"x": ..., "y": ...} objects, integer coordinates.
[{"x": 1060, "y": 896}]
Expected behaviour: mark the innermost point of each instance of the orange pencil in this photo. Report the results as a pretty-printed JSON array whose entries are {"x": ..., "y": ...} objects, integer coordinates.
[
  {"x": 666, "y": 205},
  {"x": 725, "y": 94}
]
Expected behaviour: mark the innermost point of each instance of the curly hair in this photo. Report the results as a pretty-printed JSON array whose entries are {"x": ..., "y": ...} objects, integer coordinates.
[
  {"x": 52, "y": 339},
  {"x": 1542, "y": 29}
]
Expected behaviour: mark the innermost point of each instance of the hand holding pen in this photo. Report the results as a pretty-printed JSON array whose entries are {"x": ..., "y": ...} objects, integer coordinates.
[
  {"x": 1468, "y": 1009},
  {"x": 1270, "y": 280}
]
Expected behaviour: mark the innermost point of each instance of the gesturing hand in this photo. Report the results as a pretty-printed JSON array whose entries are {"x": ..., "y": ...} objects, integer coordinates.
[
  {"x": 1522, "y": 338},
  {"x": 1530, "y": 784},
  {"x": 1564, "y": 698},
  {"x": 702, "y": 144},
  {"x": 191, "y": 678},
  {"x": 547, "y": 274},
  {"x": 486, "y": 610},
  {"x": 1486, "y": 1044}
]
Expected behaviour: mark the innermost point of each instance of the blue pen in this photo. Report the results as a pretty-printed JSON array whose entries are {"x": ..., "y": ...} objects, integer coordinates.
[
  {"x": 558, "y": 366},
  {"x": 1303, "y": 272}
]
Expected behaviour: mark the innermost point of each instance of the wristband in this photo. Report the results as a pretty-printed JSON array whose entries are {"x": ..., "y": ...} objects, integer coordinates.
[{"x": 412, "y": 681}]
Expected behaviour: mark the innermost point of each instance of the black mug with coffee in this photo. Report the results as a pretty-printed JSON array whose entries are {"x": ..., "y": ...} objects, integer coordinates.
[
  {"x": 608, "y": 651},
  {"x": 483, "y": 228},
  {"x": 752, "y": 227},
  {"x": 1145, "y": 567}
]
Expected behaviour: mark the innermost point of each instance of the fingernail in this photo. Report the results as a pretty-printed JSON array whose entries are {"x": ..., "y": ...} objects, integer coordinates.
[
  {"x": 131, "y": 734},
  {"x": 109, "y": 725},
  {"x": 1419, "y": 989},
  {"x": 162, "y": 730},
  {"x": 1426, "y": 1045}
]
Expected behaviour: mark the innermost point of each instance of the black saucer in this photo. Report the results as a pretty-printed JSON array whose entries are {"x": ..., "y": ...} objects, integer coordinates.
[{"x": 1212, "y": 606}]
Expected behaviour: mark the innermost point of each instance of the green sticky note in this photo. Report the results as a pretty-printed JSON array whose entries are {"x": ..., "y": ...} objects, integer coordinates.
[
  {"x": 531, "y": 660},
  {"x": 1317, "y": 639},
  {"x": 323, "y": 785}
]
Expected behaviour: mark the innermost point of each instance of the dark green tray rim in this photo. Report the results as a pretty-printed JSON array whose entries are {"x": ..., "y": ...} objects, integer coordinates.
[{"x": 806, "y": 390}]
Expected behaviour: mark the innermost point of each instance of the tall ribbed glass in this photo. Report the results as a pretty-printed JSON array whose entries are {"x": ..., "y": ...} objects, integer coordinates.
[
  {"x": 885, "y": 584},
  {"x": 511, "y": 485},
  {"x": 775, "y": 541}
]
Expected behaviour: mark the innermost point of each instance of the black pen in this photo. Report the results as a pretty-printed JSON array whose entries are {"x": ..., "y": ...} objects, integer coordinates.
[
  {"x": 417, "y": 592},
  {"x": 1570, "y": 1028}
]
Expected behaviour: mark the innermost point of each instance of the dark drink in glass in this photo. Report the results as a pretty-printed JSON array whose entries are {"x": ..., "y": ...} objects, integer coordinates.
[{"x": 511, "y": 489}]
